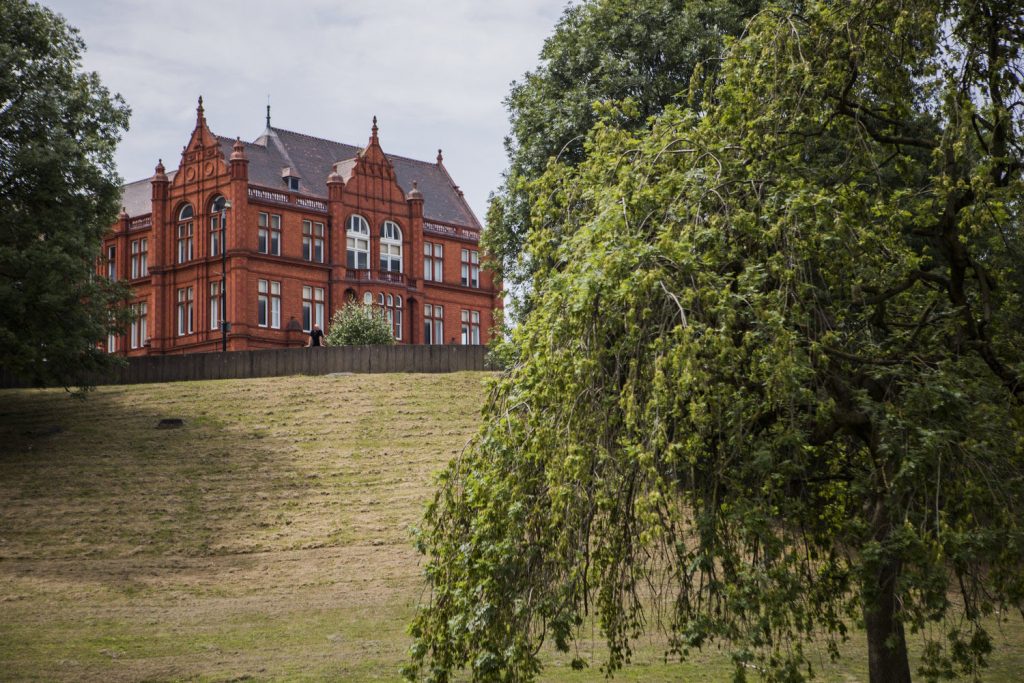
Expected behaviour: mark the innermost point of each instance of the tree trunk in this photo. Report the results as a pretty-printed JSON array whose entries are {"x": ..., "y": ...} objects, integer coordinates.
[{"x": 887, "y": 643}]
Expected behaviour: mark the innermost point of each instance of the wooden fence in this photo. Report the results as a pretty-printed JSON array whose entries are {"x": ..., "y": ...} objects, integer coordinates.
[{"x": 278, "y": 362}]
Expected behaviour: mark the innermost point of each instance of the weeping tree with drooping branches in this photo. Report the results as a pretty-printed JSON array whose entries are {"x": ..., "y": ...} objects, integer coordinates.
[
  {"x": 657, "y": 52},
  {"x": 773, "y": 385}
]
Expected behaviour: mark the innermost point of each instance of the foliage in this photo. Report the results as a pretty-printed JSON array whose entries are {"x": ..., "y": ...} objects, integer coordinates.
[
  {"x": 59, "y": 191},
  {"x": 357, "y": 324},
  {"x": 652, "y": 52},
  {"x": 772, "y": 385}
]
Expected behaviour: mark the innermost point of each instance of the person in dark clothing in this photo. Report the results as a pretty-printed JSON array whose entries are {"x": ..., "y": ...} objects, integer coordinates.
[{"x": 316, "y": 337}]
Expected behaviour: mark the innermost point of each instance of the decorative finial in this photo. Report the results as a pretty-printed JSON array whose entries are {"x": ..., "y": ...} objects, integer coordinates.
[
  {"x": 374, "y": 128},
  {"x": 440, "y": 157},
  {"x": 268, "y": 111},
  {"x": 414, "y": 193},
  {"x": 160, "y": 175},
  {"x": 123, "y": 214},
  {"x": 200, "y": 118},
  {"x": 160, "y": 166},
  {"x": 237, "y": 150}
]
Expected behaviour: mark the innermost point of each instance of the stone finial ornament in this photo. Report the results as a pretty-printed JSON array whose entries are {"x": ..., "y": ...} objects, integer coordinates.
[
  {"x": 415, "y": 193},
  {"x": 238, "y": 150}
]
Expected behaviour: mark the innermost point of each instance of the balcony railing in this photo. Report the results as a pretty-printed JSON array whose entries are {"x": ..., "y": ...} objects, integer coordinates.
[
  {"x": 366, "y": 275},
  {"x": 140, "y": 222},
  {"x": 262, "y": 194},
  {"x": 452, "y": 231}
]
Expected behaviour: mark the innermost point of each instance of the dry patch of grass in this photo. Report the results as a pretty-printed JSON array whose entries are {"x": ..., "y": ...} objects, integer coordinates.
[{"x": 267, "y": 539}]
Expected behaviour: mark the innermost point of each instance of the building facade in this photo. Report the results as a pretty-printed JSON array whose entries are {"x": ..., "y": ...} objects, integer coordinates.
[{"x": 247, "y": 245}]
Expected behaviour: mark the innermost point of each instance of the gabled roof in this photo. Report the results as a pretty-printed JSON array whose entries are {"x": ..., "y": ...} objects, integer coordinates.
[{"x": 314, "y": 159}]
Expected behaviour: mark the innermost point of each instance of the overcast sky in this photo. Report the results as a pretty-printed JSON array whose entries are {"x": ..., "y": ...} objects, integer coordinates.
[{"x": 434, "y": 72}]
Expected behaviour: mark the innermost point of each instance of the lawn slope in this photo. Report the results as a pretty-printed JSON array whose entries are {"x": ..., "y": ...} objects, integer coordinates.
[{"x": 266, "y": 539}]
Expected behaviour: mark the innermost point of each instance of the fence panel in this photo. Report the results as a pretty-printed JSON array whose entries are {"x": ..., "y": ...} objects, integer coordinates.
[{"x": 280, "y": 362}]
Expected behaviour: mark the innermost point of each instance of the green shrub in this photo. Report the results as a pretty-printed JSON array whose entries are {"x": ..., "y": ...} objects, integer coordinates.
[{"x": 356, "y": 324}]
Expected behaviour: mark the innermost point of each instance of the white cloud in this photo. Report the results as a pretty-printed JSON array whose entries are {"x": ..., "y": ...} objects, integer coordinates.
[{"x": 435, "y": 73}]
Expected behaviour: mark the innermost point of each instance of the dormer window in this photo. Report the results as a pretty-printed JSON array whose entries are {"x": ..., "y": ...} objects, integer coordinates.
[{"x": 291, "y": 178}]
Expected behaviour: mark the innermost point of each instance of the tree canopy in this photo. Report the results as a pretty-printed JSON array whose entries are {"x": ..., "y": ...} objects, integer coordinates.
[
  {"x": 771, "y": 387},
  {"x": 358, "y": 324},
  {"x": 600, "y": 51},
  {"x": 59, "y": 193}
]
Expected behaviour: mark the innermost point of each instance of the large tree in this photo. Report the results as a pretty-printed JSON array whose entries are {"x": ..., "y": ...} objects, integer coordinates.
[
  {"x": 59, "y": 193},
  {"x": 773, "y": 384},
  {"x": 600, "y": 51}
]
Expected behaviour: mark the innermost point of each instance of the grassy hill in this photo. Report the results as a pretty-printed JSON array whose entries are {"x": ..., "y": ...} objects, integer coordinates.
[{"x": 267, "y": 538}]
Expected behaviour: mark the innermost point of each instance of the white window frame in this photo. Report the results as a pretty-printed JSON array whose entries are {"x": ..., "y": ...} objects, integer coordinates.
[
  {"x": 391, "y": 304},
  {"x": 312, "y": 307},
  {"x": 398, "y": 317},
  {"x": 185, "y": 233},
  {"x": 138, "y": 329},
  {"x": 268, "y": 233},
  {"x": 135, "y": 259},
  {"x": 216, "y": 229},
  {"x": 433, "y": 324},
  {"x": 390, "y": 247},
  {"x": 433, "y": 262},
  {"x": 215, "y": 297},
  {"x": 268, "y": 303},
  {"x": 471, "y": 268},
  {"x": 357, "y": 243},
  {"x": 112, "y": 263},
  {"x": 471, "y": 327},
  {"x": 262, "y": 303},
  {"x": 185, "y": 311},
  {"x": 275, "y": 305},
  {"x": 313, "y": 241}
]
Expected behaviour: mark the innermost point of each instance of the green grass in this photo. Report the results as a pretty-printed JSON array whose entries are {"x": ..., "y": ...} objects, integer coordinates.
[{"x": 267, "y": 539}]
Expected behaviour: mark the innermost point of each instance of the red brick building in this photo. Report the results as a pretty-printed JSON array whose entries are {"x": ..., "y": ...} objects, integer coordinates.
[{"x": 272, "y": 236}]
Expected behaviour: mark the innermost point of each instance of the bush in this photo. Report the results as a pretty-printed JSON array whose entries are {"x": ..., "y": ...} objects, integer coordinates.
[{"x": 357, "y": 324}]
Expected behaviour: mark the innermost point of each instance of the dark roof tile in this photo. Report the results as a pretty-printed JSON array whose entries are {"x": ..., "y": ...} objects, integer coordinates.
[
  {"x": 136, "y": 198},
  {"x": 314, "y": 159}
]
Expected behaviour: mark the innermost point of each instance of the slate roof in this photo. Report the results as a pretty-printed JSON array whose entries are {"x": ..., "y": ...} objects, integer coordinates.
[
  {"x": 314, "y": 159},
  {"x": 136, "y": 198}
]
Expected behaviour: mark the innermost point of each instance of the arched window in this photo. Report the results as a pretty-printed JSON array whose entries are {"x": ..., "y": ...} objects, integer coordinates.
[
  {"x": 185, "y": 215},
  {"x": 358, "y": 243},
  {"x": 391, "y": 304},
  {"x": 217, "y": 218},
  {"x": 390, "y": 247}
]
